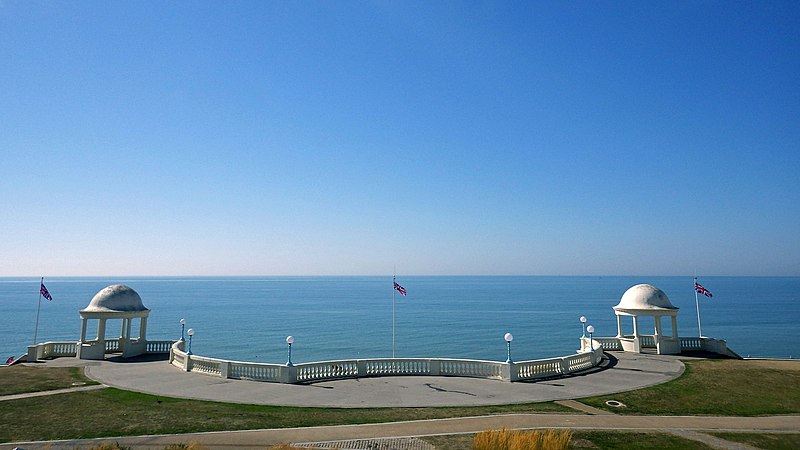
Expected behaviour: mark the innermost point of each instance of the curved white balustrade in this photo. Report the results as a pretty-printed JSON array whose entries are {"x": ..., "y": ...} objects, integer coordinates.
[
  {"x": 358, "y": 368},
  {"x": 62, "y": 349}
]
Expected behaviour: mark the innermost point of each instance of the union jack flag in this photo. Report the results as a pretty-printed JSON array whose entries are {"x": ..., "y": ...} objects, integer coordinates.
[
  {"x": 702, "y": 290},
  {"x": 399, "y": 288},
  {"x": 45, "y": 293}
]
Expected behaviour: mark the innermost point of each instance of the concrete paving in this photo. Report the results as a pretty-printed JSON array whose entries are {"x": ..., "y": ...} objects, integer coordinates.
[{"x": 618, "y": 372}]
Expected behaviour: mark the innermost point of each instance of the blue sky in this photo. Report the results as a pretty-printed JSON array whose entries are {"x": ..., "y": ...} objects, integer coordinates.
[{"x": 272, "y": 138}]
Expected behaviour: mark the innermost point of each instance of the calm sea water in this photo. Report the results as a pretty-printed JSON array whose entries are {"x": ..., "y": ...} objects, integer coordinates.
[{"x": 248, "y": 318}]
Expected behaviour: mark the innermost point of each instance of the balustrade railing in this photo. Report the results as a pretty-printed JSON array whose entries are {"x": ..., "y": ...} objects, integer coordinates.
[
  {"x": 158, "y": 346},
  {"x": 210, "y": 366},
  {"x": 326, "y": 370},
  {"x": 528, "y": 370},
  {"x": 56, "y": 349},
  {"x": 611, "y": 344},
  {"x": 647, "y": 341},
  {"x": 255, "y": 371},
  {"x": 691, "y": 343},
  {"x": 112, "y": 345},
  {"x": 70, "y": 349},
  {"x": 356, "y": 368},
  {"x": 178, "y": 359},
  {"x": 405, "y": 366},
  {"x": 579, "y": 362},
  {"x": 471, "y": 368}
]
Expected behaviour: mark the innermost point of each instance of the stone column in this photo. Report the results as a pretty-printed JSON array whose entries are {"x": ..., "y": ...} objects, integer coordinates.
[
  {"x": 619, "y": 326},
  {"x": 657, "y": 333},
  {"x": 143, "y": 328},
  {"x": 637, "y": 346},
  {"x": 83, "y": 330},
  {"x": 101, "y": 334}
]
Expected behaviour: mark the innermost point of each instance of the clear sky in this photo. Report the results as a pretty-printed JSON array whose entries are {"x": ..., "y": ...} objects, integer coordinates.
[{"x": 341, "y": 137}]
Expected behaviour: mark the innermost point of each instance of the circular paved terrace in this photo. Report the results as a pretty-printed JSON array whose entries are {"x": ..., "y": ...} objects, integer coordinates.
[{"x": 618, "y": 372}]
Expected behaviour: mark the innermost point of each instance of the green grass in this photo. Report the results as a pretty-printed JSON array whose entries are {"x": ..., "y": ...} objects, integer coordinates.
[
  {"x": 21, "y": 379},
  {"x": 623, "y": 440},
  {"x": 719, "y": 387},
  {"x": 588, "y": 439},
  {"x": 113, "y": 412},
  {"x": 714, "y": 387},
  {"x": 767, "y": 441}
]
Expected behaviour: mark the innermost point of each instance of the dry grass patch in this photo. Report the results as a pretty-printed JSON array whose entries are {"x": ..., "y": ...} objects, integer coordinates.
[
  {"x": 505, "y": 439},
  {"x": 22, "y": 379}
]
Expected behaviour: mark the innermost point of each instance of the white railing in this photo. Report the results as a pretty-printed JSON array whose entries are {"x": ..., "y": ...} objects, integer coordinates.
[
  {"x": 255, "y": 371},
  {"x": 611, "y": 344},
  {"x": 326, "y": 370},
  {"x": 579, "y": 362},
  {"x": 70, "y": 349},
  {"x": 389, "y": 367},
  {"x": 158, "y": 346},
  {"x": 471, "y": 368},
  {"x": 57, "y": 349},
  {"x": 358, "y": 368},
  {"x": 691, "y": 343},
  {"x": 205, "y": 365},
  {"x": 688, "y": 343},
  {"x": 178, "y": 359},
  {"x": 544, "y": 368},
  {"x": 528, "y": 370},
  {"x": 112, "y": 345},
  {"x": 647, "y": 341}
]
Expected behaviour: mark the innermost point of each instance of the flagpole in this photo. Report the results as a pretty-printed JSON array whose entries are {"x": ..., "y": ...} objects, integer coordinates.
[
  {"x": 697, "y": 305},
  {"x": 394, "y": 280},
  {"x": 38, "y": 308}
]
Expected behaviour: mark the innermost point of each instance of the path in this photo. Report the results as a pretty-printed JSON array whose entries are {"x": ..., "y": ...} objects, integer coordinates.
[{"x": 265, "y": 438}]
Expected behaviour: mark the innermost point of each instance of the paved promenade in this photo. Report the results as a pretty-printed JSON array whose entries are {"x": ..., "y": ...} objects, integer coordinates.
[{"x": 618, "y": 372}]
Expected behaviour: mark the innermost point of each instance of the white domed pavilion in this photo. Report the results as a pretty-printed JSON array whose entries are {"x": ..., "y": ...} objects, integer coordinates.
[
  {"x": 115, "y": 302},
  {"x": 647, "y": 300}
]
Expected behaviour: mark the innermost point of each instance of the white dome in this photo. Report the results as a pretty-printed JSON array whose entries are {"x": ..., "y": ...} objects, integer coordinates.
[
  {"x": 644, "y": 297},
  {"x": 116, "y": 298}
]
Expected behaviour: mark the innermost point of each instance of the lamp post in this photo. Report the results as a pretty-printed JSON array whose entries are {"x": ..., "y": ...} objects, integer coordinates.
[
  {"x": 508, "y": 337},
  {"x": 290, "y": 341},
  {"x": 590, "y": 329},
  {"x": 190, "y": 332},
  {"x": 583, "y": 325},
  {"x": 183, "y": 324}
]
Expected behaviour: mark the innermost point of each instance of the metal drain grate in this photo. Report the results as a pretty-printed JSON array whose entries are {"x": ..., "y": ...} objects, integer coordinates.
[{"x": 371, "y": 444}]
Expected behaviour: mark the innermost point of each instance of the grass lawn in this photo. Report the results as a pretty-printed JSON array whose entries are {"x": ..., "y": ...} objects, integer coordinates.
[
  {"x": 611, "y": 440},
  {"x": 719, "y": 387},
  {"x": 20, "y": 379},
  {"x": 716, "y": 387},
  {"x": 621, "y": 440},
  {"x": 768, "y": 441},
  {"x": 114, "y": 412}
]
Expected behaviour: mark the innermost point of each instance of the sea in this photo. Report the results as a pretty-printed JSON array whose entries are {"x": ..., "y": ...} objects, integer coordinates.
[{"x": 347, "y": 317}]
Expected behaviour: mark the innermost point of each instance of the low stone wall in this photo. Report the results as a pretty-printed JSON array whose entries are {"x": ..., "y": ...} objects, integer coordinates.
[
  {"x": 380, "y": 367},
  {"x": 706, "y": 344},
  {"x": 60, "y": 349}
]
